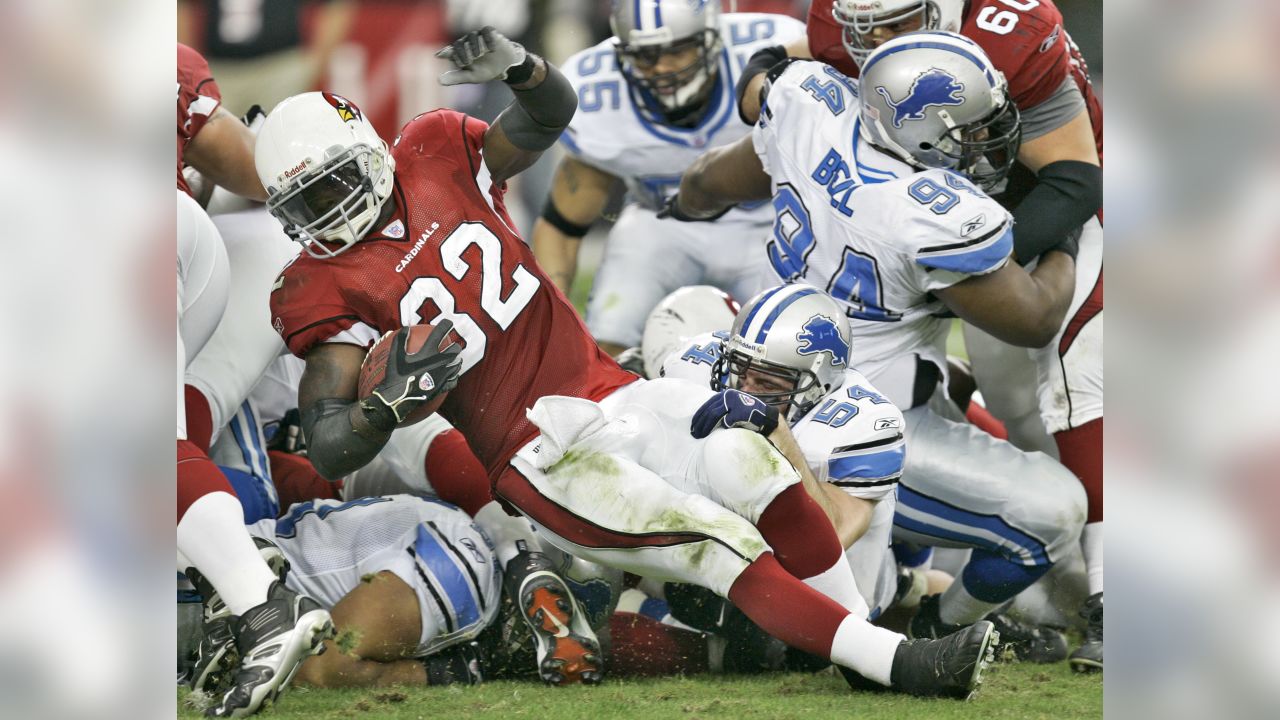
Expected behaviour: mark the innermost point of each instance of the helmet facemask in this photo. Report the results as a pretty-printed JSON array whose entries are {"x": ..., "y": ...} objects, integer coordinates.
[
  {"x": 735, "y": 363},
  {"x": 334, "y": 204},
  {"x": 679, "y": 97},
  {"x": 856, "y": 27},
  {"x": 984, "y": 151}
]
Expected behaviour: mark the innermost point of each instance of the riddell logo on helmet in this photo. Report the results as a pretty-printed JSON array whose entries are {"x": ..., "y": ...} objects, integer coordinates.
[{"x": 293, "y": 171}]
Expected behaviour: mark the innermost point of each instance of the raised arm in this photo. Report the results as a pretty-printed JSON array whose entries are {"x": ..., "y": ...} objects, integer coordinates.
[
  {"x": 544, "y": 99},
  {"x": 1018, "y": 307},
  {"x": 718, "y": 180},
  {"x": 579, "y": 193}
]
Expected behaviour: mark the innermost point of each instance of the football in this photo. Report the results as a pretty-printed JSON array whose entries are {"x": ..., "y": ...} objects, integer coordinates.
[{"x": 374, "y": 369}]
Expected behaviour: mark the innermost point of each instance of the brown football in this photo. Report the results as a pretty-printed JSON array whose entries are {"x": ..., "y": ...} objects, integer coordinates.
[{"x": 374, "y": 369}]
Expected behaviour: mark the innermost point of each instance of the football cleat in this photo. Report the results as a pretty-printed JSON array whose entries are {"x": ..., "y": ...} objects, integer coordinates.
[
  {"x": 272, "y": 639},
  {"x": 1027, "y": 642},
  {"x": 464, "y": 663},
  {"x": 1088, "y": 657},
  {"x": 567, "y": 649},
  {"x": 948, "y": 667},
  {"x": 216, "y": 655}
]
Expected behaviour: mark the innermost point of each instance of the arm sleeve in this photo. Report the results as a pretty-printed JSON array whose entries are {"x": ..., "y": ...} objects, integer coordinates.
[
  {"x": 198, "y": 93},
  {"x": 306, "y": 314},
  {"x": 1060, "y": 108},
  {"x": 972, "y": 236},
  {"x": 865, "y": 456},
  {"x": 773, "y": 128}
]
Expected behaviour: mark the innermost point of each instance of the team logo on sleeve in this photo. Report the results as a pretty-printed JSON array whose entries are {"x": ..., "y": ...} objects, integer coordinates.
[
  {"x": 933, "y": 88},
  {"x": 347, "y": 110},
  {"x": 819, "y": 335}
]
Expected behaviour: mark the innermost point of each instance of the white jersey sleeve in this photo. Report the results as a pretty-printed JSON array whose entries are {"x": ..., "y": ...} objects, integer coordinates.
[
  {"x": 853, "y": 439},
  {"x": 694, "y": 359},
  {"x": 784, "y": 129}
]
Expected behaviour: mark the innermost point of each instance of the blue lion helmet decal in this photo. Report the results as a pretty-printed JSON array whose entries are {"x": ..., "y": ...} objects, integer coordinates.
[
  {"x": 819, "y": 335},
  {"x": 933, "y": 87}
]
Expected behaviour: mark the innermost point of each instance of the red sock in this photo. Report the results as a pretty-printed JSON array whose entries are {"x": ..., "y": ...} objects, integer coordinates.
[
  {"x": 644, "y": 647},
  {"x": 1081, "y": 451},
  {"x": 800, "y": 533},
  {"x": 199, "y": 418},
  {"x": 456, "y": 474},
  {"x": 296, "y": 480},
  {"x": 786, "y": 608},
  {"x": 197, "y": 477}
]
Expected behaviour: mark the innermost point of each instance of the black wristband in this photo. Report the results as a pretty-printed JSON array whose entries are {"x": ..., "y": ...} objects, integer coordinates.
[
  {"x": 517, "y": 74},
  {"x": 760, "y": 62},
  {"x": 560, "y": 222}
]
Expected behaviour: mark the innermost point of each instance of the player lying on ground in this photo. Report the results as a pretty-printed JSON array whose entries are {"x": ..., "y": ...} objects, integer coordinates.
[
  {"x": 417, "y": 234},
  {"x": 894, "y": 226}
]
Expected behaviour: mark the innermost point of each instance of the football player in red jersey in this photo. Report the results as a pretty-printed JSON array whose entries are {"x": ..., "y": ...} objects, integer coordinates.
[
  {"x": 1053, "y": 191},
  {"x": 255, "y": 626},
  {"x": 657, "y": 477}
]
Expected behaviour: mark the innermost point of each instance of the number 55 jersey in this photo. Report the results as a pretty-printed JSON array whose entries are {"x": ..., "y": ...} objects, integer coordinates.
[
  {"x": 878, "y": 235},
  {"x": 449, "y": 252}
]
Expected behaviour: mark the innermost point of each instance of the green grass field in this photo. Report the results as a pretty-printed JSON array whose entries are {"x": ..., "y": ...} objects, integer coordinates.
[{"x": 1008, "y": 691}]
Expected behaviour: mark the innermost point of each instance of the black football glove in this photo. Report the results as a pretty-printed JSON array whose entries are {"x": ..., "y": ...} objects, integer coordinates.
[
  {"x": 413, "y": 380},
  {"x": 671, "y": 209}
]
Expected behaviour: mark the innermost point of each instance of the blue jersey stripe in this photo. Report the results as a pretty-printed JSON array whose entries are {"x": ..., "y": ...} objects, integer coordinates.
[
  {"x": 1033, "y": 548},
  {"x": 448, "y": 575},
  {"x": 871, "y": 465},
  {"x": 768, "y": 321},
  {"x": 979, "y": 258}
]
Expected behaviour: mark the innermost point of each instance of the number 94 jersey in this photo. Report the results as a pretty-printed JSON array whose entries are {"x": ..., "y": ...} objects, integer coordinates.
[
  {"x": 852, "y": 438},
  {"x": 449, "y": 252},
  {"x": 877, "y": 234}
]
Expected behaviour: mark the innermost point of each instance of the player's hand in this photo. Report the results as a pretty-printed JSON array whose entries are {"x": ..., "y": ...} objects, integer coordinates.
[
  {"x": 671, "y": 209},
  {"x": 412, "y": 380},
  {"x": 480, "y": 56},
  {"x": 734, "y": 409}
]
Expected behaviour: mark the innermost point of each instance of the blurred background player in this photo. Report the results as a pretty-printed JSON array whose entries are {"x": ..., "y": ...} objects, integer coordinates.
[
  {"x": 912, "y": 241},
  {"x": 650, "y": 100},
  {"x": 273, "y": 628},
  {"x": 1050, "y": 400}
]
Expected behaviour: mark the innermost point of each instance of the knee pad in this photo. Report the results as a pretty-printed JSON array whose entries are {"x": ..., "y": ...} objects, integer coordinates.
[{"x": 1053, "y": 507}]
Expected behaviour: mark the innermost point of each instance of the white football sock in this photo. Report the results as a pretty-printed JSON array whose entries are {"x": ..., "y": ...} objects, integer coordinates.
[
  {"x": 1091, "y": 545},
  {"x": 838, "y": 583},
  {"x": 212, "y": 536},
  {"x": 505, "y": 531},
  {"x": 958, "y": 607},
  {"x": 865, "y": 648}
]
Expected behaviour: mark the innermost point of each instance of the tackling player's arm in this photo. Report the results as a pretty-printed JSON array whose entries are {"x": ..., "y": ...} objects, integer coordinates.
[
  {"x": 1018, "y": 307},
  {"x": 544, "y": 99},
  {"x": 753, "y": 75},
  {"x": 718, "y": 180},
  {"x": 223, "y": 152},
  {"x": 1069, "y": 184},
  {"x": 381, "y": 620},
  {"x": 579, "y": 194}
]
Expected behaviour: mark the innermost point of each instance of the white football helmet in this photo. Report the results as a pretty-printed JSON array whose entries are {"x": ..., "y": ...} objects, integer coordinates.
[
  {"x": 646, "y": 29},
  {"x": 687, "y": 312},
  {"x": 935, "y": 100},
  {"x": 795, "y": 333},
  {"x": 860, "y": 18},
  {"x": 326, "y": 171}
]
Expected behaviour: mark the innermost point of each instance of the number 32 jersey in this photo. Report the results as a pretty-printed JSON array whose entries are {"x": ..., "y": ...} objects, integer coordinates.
[
  {"x": 449, "y": 252},
  {"x": 879, "y": 236}
]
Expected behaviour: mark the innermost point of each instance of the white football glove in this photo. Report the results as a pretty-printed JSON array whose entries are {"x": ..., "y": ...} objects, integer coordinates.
[{"x": 480, "y": 56}]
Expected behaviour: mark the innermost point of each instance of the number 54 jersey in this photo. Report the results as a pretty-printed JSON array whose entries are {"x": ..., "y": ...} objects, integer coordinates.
[
  {"x": 449, "y": 252},
  {"x": 880, "y": 236}
]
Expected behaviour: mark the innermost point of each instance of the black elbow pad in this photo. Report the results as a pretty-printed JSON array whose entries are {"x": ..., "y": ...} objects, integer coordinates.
[{"x": 1067, "y": 194}]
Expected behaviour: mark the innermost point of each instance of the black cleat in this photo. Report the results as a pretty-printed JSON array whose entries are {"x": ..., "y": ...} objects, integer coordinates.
[
  {"x": 1088, "y": 657},
  {"x": 464, "y": 663},
  {"x": 1029, "y": 643},
  {"x": 567, "y": 649},
  {"x": 216, "y": 656},
  {"x": 272, "y": 639},
  {"x": 948, "y": 667}
]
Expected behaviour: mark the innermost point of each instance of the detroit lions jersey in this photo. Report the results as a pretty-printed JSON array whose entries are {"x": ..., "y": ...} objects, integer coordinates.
[
  {"x": 430, "y": 545},
  {"x": 609, "y": 133},
  {"x": 878, "y": 235},
  {"x": 852, "y": 438}
]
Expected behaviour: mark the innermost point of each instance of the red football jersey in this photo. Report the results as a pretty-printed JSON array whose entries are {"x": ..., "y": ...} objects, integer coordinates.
[
  {"x": 198, "y": 97},
  {"x": 450, "y": 252},
  {"x": 1024, "y": 39}
]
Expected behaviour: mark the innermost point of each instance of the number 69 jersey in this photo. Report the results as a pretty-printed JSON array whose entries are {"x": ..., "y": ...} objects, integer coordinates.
[
  {"x": 852, "y": 438},
  {"x": 877, "y": 234},
  {"x": 449, "y": 251}
]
